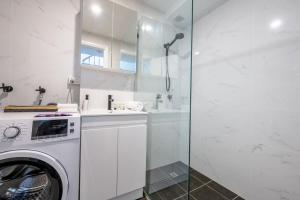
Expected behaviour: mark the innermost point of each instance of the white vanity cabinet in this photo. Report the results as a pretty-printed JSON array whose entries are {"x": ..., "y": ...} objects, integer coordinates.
[
  {"x": 99, "y": 163},
  {"x": 113, "y": 157}
]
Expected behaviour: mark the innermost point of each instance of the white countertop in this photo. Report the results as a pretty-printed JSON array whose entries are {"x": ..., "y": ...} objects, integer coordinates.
[
  {"x": 94, "y": 112},
  {"x": 168, "y": 111},
  {"x": 100, "y": 112},
  {"x": 26, "y": 115}
]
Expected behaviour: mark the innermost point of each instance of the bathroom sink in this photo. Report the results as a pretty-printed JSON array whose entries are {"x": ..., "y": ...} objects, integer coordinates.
[{"x": 99, "y": 112}]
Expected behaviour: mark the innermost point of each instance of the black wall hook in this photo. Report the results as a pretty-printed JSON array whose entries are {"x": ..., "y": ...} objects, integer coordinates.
[
  {"x": 6, "y": 88},
  {"x": 41, "y": 90}
]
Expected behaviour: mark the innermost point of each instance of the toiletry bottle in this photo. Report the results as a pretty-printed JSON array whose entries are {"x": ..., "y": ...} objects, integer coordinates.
[{"x": 85, "y": 104}]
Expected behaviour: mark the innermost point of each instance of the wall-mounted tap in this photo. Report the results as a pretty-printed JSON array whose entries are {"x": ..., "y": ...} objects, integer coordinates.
[
  {"x": 6, "y": 88},
  {"x": 41, "y": 91}
]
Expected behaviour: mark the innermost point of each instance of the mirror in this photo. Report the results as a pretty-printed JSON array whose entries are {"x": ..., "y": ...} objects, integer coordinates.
[
  {"x": 124, "y": 39},
  {"x": 109, "y": 37}
]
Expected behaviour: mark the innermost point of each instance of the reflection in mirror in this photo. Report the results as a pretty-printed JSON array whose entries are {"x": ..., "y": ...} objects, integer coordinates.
[
  {"x": 93, "y": 56},
  {"x": 96, "y": 34},
  {"x": 124, "y": 38},
  {"x": 109, "y": 36},
  {"x": 128, "y": 61}
]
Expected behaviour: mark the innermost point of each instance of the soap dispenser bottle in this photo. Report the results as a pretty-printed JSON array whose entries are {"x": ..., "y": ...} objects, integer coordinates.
[{"x": 85, "y": 104}]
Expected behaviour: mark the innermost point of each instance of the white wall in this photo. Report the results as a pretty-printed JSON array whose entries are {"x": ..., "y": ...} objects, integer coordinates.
[
  {"x": 246, "y": 94},
  {"x": 37, "y": 47}
]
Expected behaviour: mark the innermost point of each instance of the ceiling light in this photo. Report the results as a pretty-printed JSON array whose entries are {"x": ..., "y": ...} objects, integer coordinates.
[
  {"x": 96, "y": 9},
  {"x": 275, "y": 24},
  {"x": 197, "y": 53}
]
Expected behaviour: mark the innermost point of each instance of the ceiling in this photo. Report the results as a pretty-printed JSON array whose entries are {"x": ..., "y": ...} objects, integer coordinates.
[
  {"x": 174, "y": 8},
  {"x": 203, "y": 7},
  {"x": 161, "y": 5}
]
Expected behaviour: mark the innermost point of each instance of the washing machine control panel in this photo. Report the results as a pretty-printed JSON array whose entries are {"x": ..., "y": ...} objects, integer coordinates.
[
  {"x": 13, "y": 131},
  {"x": 38, "y": 130}
]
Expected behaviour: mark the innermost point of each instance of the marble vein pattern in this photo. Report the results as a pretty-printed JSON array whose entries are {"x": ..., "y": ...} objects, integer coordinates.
[
  {"x": 246, "y": 94},
  {"x": 37, "y": 47}
]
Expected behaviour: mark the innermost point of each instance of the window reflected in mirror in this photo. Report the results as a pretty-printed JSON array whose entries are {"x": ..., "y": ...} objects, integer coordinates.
[
  {"x": 92, "y": 56},
  {"x": 128, "y": 62}
]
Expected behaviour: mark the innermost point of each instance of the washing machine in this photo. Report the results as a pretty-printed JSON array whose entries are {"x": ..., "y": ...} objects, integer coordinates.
[{"x": 39, "y": 156}]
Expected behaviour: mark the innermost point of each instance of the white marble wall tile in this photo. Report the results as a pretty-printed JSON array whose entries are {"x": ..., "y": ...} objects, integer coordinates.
[
  {"x": 5, "y": 58},
  {"x": 98, "y": 97},
  {"x": 106, "y": 80},
  {"x": 41, "y": 45},
  {"x": 246, "y": 94}
]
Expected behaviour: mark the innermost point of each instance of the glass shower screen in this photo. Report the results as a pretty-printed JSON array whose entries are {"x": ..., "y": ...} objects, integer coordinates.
[{"x": 163, "y": 84}]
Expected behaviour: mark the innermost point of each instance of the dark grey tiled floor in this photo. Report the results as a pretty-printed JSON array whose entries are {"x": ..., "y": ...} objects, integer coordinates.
[
  {"x": 201, "y": 188},
  {"x": 166, "y": 176}
]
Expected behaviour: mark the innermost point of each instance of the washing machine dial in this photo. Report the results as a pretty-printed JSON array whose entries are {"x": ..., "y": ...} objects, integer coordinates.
[{"x": 11, "y": 132}]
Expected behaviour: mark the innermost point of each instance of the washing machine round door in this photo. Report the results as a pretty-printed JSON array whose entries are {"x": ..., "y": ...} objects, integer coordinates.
[{"x": 31, "y": 175}]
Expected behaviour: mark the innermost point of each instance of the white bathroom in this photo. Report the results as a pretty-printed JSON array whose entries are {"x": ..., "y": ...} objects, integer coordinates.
[{"x": 149, "y": 100}]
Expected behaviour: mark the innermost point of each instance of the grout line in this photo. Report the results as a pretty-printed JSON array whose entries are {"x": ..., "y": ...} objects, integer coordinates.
[
  {"x": 182, "y": 188},
  {"x": 179, "y": 197},
  {"x": 219, "y": 192},
  {"x": 200, "y": 174},
  {"x": 215, "y": 189},
  {"x": 146, "y": 197},
  {"x": 193, "y": 197},
  {"x": 191, "y": 190},
  {"x": 205, "y": 184},
  {"x": 159, "y": 194},
  {"x": 198, "y": 179}
]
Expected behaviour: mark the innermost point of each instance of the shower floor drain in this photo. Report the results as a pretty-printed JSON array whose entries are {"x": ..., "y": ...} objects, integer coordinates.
[{"x": 173, "y": 174}]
